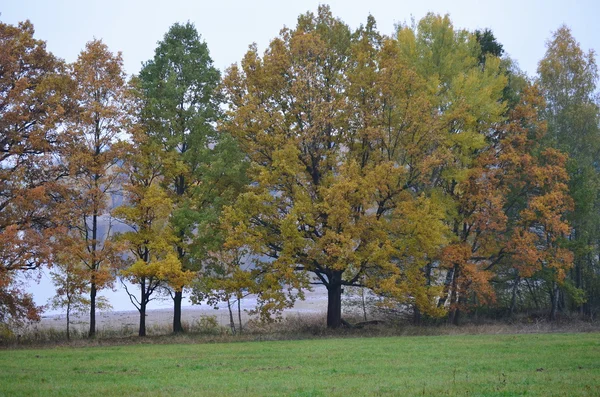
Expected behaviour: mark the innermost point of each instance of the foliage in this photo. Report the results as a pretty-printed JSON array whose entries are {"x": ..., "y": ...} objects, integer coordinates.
[
  {"x": 568, "y": 78},
  {"x": 152, "y": 263},
  {"x": 72, "y": 286},
  {"x": 341, "y": 145},
  {"x": 92, "y": 152},
  {"x": 33, "y": 99},
  {"x": 181, "y": 106},
  {"x": 421, "y": 166}
]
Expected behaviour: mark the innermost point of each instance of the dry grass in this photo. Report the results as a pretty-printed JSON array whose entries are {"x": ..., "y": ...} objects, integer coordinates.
[{"x": 206, "y": 329}]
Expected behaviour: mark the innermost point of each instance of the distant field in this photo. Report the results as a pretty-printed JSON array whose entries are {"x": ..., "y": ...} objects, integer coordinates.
[{"x": 482, "y": 365}]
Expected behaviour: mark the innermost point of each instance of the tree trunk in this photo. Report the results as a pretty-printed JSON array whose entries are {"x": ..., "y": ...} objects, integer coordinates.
[
  {"x": 142, "y": 330},
  {"x": 579, "y": 283},
  {"x": 239, "y": 310},
  {"x": 416, "y": 316},
  {"x": 513, "y": 300},
  {"x": 231, "y": 321},
  {"x": 447, "y": 285},
  {"x": 364, "y": 303},
  {"x": 452, "y": 316},
  {"x": 554, "y": 301},
  {"x": 177, "y": 299},
  {"x": 533, "y": 294},
  {"x": 334, "y": 301},
  {"x": 92, "y": 332},
  {"x": 68, "y": 321}
]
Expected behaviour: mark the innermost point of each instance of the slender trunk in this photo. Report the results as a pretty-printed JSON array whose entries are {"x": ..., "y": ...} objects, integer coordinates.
[
  {"x": 231, "y": 321},
  {"x": 142, "y": 330},
  {"x": 447, "y": 284},
  {"x": 533, "y": 294},
  {"x": 364, "y": 304},
  {"x": 92, "y": 331},
  {"x": 143, "y": 302},
  {"x": 462, "y": 302},
  {"x": 239, "y": 310},
  {"x": 94, "y": 246},
  {"x": 554, "y": 300},
  {"x": 68, "y": 321},
  {"x": 513, "y": 301},
  {"x": 334, "y": 301},
  {"x": 177, "y": 299},
  {"x": 579, "y": 283},
  {"x": 454, "y": 297}
]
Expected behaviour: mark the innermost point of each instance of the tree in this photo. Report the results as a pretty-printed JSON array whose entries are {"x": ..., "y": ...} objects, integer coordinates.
[
  {"x": 180, "y": 111},
  {"x": 33, "y": 99},
  {"x": 568, "y": 78},
  {"x": 467, "y": 82},
  {"x": 227, "y": 277},
  {"x": 152, "y": 262},
  {"x": 491, "y": 170},
  {"x": 92, "y": 154},
  {"x": 338, "y": 133},
  {"x": 489, "y": 45},
  {"x": 72, "y": 286}
]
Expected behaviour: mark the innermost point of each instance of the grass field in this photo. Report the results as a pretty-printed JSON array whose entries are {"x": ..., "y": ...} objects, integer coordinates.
[{"x": 482, "y": 365}]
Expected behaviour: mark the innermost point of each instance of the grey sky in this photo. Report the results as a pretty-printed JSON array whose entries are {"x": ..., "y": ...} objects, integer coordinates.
[{"x": 229, "y": 26}]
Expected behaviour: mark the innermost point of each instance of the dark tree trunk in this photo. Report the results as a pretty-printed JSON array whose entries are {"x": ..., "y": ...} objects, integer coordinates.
[
  {"x": 554, "y": 301},
  {"x": 416, "y": 316},
  {"x": 239, "y": 310},
  {"x": 68, "y": 321},
  {"x": 462, "y": 301},
  {"x": 92, "y": 331},
  {"x": 533, "y": 294},
  {"x": 231, "y": 321},
  {"x": 334, "y": 301},
  {"x": 142, "y": 330},
  {"x": 579, "y": 283},
  {"x": 177, "y": 299}
]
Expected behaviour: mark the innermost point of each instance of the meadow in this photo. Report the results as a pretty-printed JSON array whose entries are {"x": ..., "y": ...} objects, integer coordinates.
[{"x": 474, "y": 365}]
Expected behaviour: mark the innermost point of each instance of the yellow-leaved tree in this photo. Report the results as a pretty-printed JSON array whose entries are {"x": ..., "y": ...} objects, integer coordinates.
[
  {"x": 342, "y": 138},
  {"x": 150, "y": 262}
]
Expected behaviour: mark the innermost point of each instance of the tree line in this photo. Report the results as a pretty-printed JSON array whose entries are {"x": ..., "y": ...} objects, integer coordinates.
[{"x": 423, "y": 165}]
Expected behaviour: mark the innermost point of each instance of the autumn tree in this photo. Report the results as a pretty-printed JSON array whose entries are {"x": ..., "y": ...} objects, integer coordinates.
[
  {"x": 467, "y": 84},
  {"x": 492, "y": 171},
  {"x": 338, "y": 133},
  {"x": 181, "y": 109},
  {"x": 227, "y": 277},
  {"x": 151, "y": 263},
  {"x": 33, "y": 100},
  {"x": 72, "y": 290},
  {"x": 92, "y": 154},
  {"x": 568, "y": 78}
]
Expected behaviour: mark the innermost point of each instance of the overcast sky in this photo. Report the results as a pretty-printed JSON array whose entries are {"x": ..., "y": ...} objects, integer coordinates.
[{"x": 229, "y": 26}]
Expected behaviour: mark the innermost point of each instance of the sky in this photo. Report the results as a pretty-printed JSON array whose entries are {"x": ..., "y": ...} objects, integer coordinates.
[
  {"x": 229, "y": 26},
  {"x": 133, "y": 27}
]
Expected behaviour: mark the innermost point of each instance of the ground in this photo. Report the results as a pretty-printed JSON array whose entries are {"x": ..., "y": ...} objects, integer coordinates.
[{"x": 478, "y": 365}]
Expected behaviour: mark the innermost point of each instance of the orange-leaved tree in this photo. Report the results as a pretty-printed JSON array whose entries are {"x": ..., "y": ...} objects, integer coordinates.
[
  {"x": 33, "y": 100},
  {"x": 92, "y": 154}
]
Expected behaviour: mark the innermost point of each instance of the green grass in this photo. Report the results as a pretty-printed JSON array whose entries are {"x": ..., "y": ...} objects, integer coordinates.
[{"x": 482, "y": 365}]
